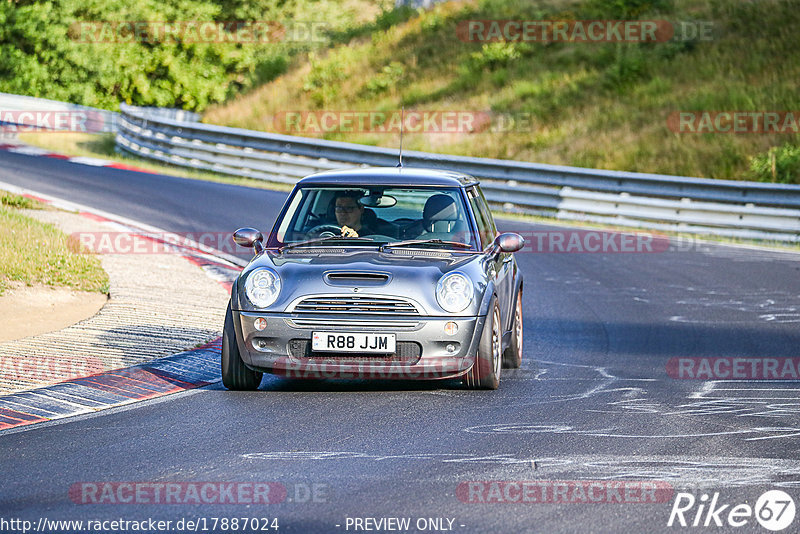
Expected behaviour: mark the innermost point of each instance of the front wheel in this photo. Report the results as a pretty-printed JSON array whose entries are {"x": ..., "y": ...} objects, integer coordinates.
[
  {"x": 485, "y": 373},
  {"x": 235, "y": 374}
]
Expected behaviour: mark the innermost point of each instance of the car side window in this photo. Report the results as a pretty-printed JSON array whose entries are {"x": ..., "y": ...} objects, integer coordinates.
[
  {"x": 484, "y": 226},
  {"x": 286, "y": 223},
  {"x": 483, "y": 205}
]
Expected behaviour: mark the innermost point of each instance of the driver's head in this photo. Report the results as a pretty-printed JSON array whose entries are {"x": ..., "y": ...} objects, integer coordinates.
[{"x": 347, "y": 209}]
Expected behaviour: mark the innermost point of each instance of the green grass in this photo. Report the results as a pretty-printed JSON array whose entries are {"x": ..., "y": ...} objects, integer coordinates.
[
  {"x": 45, "y": 50},
  {"x": 32, "y": 252},
  {"x": 19, "y": 202},
  {"x": 599, "y": 105}
]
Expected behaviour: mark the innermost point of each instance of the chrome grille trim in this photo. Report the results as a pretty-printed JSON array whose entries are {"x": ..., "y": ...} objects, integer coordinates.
[{"x": 354, "y": 305}]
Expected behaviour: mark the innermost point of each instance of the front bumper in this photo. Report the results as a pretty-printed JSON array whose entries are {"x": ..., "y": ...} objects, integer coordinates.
[{"x": 424, "y": 351}]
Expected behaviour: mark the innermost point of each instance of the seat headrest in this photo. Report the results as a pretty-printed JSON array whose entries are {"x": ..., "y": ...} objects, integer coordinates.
[{"x": 438, "y": 208}]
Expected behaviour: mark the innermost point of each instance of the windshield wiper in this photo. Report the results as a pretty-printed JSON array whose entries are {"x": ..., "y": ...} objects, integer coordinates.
[
  {"x": 324, "y": 239},
  {"x": 412, "y": 242}
]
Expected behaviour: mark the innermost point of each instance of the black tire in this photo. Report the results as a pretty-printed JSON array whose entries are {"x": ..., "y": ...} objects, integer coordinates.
[
  {"x": 512, "y": 358},
  {"x": 235, "y": 374},
  {"x": 485, "y": 374}
]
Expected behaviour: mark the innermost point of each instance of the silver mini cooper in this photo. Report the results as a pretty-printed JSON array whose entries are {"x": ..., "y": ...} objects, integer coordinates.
[{"x": 384, "y": 273}]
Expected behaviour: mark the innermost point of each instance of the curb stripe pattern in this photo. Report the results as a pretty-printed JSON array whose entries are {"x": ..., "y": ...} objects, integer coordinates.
[
  {"x": 186, "y": 370},
  {"x": 179, "y": 372}
]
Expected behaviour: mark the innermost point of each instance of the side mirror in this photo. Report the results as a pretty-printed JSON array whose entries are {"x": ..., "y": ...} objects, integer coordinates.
[
  {"x": 509, "y": 242},
  {"x": 250, "y": 238}
]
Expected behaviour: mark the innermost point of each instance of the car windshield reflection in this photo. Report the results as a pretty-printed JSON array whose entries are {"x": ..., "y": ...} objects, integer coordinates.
[{"x": 392, "y": 216}]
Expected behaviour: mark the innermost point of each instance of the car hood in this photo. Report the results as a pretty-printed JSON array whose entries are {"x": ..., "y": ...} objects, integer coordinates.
[{"x": 410, "y": 273}]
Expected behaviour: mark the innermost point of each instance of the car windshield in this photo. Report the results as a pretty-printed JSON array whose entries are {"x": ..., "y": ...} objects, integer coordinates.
[{"x": 374, "y": 216}]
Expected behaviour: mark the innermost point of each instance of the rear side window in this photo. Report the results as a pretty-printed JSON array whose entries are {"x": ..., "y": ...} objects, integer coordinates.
[
  {"x": 485, "y": 226},
  {"x": 487, "y": 214}
]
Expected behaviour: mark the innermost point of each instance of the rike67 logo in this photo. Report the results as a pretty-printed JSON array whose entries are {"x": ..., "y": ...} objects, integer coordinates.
[{"x": 774, "y": 510}]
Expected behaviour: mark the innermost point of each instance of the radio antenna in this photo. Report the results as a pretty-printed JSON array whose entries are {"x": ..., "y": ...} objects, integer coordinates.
[{"x": 402, "y": 113}]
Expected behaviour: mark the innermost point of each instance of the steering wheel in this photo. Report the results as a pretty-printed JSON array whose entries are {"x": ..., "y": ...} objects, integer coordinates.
[{"x": 325, "y": 230}]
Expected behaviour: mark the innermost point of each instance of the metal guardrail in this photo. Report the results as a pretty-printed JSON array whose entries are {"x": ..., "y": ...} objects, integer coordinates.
[
  {"x": 691, "y": 205},
  {"x": 43, "y": 114}
]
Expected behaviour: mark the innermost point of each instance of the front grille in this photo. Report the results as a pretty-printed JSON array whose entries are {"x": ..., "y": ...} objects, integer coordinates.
[
  {"x": 407, "y": 353},
  {"x": 347, "y": 304}
]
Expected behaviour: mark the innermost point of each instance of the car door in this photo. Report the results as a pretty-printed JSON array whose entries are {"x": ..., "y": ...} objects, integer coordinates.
[{"x": 500, "y": 265}]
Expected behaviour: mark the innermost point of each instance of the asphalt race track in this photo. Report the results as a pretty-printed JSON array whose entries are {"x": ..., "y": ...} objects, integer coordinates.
[{"x": 593, "y": 402}]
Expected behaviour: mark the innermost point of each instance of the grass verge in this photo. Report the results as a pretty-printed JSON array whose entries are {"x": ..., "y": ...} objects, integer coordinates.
[
  {"x": 33, "y": 252},
  {"x": 604, "y": 105}
]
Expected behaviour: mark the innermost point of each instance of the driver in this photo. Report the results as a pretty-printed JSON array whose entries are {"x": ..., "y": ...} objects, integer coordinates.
[{"x": 349, "y": 214}]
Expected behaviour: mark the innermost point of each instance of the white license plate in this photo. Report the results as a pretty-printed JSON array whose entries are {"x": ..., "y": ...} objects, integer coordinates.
[{"x": 352, "y": 342}]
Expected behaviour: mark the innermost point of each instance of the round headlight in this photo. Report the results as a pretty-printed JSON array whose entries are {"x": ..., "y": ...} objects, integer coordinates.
[
  {"x": 454, "y": 292},
  {"x": 262, "y": 287}
]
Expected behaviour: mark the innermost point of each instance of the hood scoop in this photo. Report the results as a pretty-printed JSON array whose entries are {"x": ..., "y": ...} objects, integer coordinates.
[{"x": 356, "y": 278}]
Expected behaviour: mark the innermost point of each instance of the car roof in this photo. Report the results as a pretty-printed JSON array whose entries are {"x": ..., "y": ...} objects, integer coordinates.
[{"x": 392, "y": 176}]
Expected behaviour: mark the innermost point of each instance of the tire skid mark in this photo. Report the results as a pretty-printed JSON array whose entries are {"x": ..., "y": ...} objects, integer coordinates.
[
  {"x": 681, "y": 472},
  {"x": 630, "y": 396}
]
